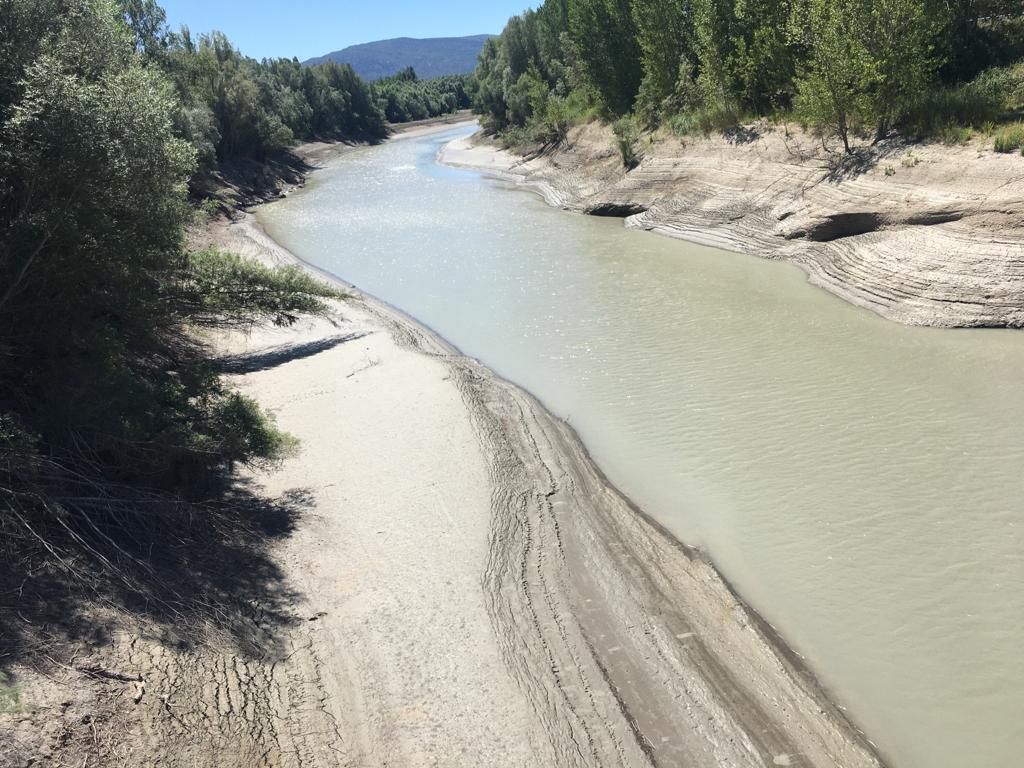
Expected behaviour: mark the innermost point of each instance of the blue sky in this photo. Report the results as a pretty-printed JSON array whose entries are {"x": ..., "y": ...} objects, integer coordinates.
[{"x": 307, "y": 28}]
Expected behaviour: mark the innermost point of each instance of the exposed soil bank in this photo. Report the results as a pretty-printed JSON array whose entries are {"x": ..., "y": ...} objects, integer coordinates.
[
  {"x": 924, "y": 235},
  {"x": 462, "y": 587}
]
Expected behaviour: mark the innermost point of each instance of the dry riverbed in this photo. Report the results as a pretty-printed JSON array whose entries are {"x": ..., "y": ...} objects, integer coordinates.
[{"x": 458, "y": 586}]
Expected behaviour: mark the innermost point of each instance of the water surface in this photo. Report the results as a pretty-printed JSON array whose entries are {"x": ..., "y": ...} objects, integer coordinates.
[{"x": 860, "y": 482}]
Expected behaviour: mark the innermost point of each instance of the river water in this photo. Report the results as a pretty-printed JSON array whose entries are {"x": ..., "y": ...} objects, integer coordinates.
[{"x": 861, "y": 483}]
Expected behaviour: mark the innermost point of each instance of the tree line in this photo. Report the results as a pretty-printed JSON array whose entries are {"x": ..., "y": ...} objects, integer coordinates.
[
  {"x": 233, "y": 106},
  {"x": 403, "y": 97},
  {"x": 112, "y": 408},
  {"x": 843, "y": 67}
]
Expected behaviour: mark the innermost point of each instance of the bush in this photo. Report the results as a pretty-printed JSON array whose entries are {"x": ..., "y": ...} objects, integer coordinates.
[
  {"x": 223, "y": 290},
  {"x": 985, "y": 100},
  {"x": 1009, "y": 138},
  {"x": 704, "y": 121},
  {"x": 516, "y": 137},
  {"x": 627, "y": 139},
  {"x": 10, "y": 701},
  {"x": 954, "y": 135}
]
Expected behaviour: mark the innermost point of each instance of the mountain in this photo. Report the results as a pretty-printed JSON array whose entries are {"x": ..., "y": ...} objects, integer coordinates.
[{"x": 431, "y": 57}]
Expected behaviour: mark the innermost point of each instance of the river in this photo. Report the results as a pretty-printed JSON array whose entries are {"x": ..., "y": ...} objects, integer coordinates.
[{"x": 861, "y": 483}]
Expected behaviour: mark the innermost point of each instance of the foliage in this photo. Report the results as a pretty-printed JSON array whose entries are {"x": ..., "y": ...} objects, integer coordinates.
[
  {"x": 848, "y": 68},
  {"x": 986, "y": 99},
  {"x": 223, "y": 290},
  {"x": 107, "y": 395},
  {"x": 603, "y": 36},
  {"x": 703, "y": 121},
  {"x": 233, "y": 107},
  {"x": 665, "y": 40},
  {"x": 1009, "y": 138},
  {"x": 404, "y": 97},
  {"x": 832, "y": 87},
  {"x": 10, "y": 698},
  {"x": 627, "y": 139}
]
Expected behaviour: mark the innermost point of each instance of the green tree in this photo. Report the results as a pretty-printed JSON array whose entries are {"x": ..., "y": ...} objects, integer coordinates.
[
  {"x": 665, "y": 41},
  {"x": 761, "y": 62},
  {"x": 832, "y": 85},
  {"x": 605, "y": 42},
  {"x": 98, "y": 296},
  {"x": 898, "y": 37},
  {"x": 868, "y": 58}
]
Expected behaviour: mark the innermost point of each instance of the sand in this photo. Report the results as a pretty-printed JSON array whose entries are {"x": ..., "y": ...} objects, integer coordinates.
[{"x": 463, "y": 588}]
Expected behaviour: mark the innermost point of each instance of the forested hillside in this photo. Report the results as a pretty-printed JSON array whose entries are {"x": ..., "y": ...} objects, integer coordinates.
[
  {"x": 855, "y": 70},
  {"x": 431, "y": 57}
]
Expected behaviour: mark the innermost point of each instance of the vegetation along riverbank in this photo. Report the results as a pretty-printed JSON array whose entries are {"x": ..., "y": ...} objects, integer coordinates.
[
  {"x": 877, "y": 144},
  {"x": 124, "y": 503},
  {"x": 249, "y": 516}
]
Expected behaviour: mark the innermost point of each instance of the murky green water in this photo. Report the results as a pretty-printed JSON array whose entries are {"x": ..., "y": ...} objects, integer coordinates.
[{"x": 860, "y": 482}]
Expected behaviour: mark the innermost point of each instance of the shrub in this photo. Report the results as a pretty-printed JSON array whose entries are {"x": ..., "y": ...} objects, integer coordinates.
[
  {"x": 954, "y": 135},
  {"x": 984, "y": 101},
  {"x": 1009, "y": 139},
  {"x": 704, "y": 121},
  {"x": 10, "y": 700},
  {"x": 627, "y": 139},
  {"x": 552, "y": 127},
  {"x": 515, "y": 137},
  {"x": 223, "y": 290}
]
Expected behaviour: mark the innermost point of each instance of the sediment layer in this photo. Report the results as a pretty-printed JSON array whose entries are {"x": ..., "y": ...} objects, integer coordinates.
[{"x": 920, "y": 234}]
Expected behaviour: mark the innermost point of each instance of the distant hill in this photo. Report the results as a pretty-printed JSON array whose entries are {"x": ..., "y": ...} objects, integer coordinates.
[{"x": 432, "y": 57}]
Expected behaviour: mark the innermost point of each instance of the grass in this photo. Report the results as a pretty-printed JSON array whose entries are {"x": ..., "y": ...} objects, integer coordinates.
[
  {"x": 703, "y": 121},
  {"x": 10, "y": 698},
  {"x": 951, "y": 114},
  {"x": 627, "y": 139},
  {"x": 1009, "y": 138}
]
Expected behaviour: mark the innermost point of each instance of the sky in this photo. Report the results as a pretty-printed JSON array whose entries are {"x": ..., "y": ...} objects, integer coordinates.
[{"x": 307, "y": 28}]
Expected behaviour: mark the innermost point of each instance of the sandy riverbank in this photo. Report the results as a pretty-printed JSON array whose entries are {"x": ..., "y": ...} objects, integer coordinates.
[
  {"x": 920, "y": 234},
  {"x": 462, "y": 587},
  {"x": 559, "y": 627}
]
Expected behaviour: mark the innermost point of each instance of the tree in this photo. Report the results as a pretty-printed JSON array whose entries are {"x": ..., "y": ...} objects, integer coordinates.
[
  {"x": 605, "y": 41},
  {"x": 761, "y": 61},
  {"x": 832, "y": 85},
  {"x": 148, "y": 21},
  {"x": 868, "y": 58},
  {"x": 665, "y": 41},
  {"x": 898, "y": 37},
  {"x": 98, "y": 296}
]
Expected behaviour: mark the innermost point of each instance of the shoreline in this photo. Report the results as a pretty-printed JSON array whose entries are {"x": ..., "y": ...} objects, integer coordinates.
[
  {"x": 459, "y": 583},
  {"x": 921, "y": 234},
  {"x": 481, "y": 386}
]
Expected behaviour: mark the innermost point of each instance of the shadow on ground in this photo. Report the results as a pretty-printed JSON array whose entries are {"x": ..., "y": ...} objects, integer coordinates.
[
  {"x": 275, "y": 356},
  {"x": 182, "y": 570}
]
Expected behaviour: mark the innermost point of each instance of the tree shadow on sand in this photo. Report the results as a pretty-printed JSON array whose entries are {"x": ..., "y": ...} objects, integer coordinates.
[
  {"x": 252, "y": 362},
  {"x": 184, "y": 570}
]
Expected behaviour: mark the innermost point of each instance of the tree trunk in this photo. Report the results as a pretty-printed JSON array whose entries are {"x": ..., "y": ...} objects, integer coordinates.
[{"x": 844, "y": 134}]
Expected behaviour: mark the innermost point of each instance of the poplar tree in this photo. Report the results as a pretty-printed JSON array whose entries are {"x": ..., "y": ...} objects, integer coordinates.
[
  {"x": 665, "y": 41},
  {"x": 605, "y": 41}
]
